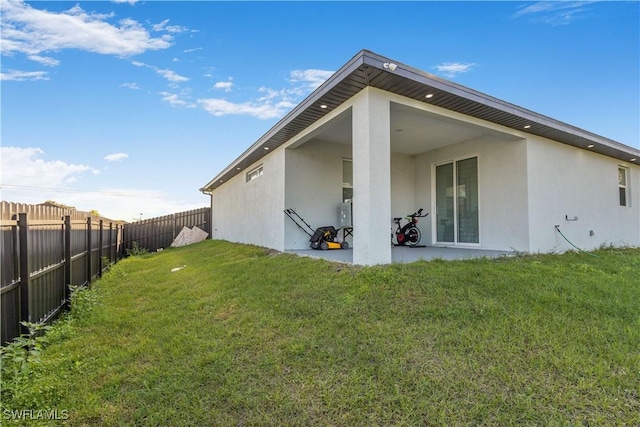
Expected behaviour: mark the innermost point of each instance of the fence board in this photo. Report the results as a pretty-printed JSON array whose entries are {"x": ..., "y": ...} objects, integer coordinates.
[
  {"x": 44, "y": 250},
  {"x": 158, "y": 233},
  {"x": 47, "y": 248}
]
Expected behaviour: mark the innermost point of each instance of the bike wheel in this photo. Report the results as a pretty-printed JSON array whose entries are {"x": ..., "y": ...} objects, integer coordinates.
[{"x": 413, "y": 236}]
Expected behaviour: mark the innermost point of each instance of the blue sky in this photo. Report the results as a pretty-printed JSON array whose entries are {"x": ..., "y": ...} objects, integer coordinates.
[{"x": 130, "y": 107}]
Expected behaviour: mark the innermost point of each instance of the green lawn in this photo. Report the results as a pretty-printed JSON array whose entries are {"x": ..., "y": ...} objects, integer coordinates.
[{"x": 246, "y": 336}]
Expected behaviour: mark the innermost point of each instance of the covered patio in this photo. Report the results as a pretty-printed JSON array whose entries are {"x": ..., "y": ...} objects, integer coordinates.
[{"x": 404, "y": 254}]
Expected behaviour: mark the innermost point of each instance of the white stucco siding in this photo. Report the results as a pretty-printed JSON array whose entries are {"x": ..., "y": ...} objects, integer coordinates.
[
  {"x": 403, "y": 189},
  {"x": 371, "y": 177},
  {"x": 565, "y": 182},
  {"x": 503, "y": 195},
  {"x": 502, "y": 171},
  {"x": 251, "y": 212},
  {"x": 313, "y": 187}
]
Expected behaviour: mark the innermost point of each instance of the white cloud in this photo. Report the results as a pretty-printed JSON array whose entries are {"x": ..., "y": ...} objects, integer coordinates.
[
  {"x": 272, "y": 103},
  {"x": 162, "y": 26},
  {"x": 126, "y": 204},
  {"x": 311, "y": 78},
  {"x": 175, "y": 100},
  {"x": 132, "y": 85},
  {"x": 192, "y": 50},
  {"x": 29, "y": 178},
  {"x": 225, "y": 86},
  {"x": 25, "y": 167},
  {"x": 32, "y": 31},
  {"x": 172, "y": 76},
  {"x": 44, "y": 60},
  {"x": 116, "y": 157},
  {"x": 452, "y": 69},
  {"x": 553, "y": 13},
  {"x": 19, "y": 76},
  {"x": 131, "y": 2},
  {"x": 261, "y": 110}
]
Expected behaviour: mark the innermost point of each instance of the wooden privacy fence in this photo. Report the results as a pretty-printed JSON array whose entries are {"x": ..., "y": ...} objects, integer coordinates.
[
  {"x": 44, "y": 251},
  {"x": 155, "y": 233}
]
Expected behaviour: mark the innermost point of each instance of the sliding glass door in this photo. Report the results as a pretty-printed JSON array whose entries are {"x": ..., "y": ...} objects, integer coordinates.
[{"x": 457, "y": 202}]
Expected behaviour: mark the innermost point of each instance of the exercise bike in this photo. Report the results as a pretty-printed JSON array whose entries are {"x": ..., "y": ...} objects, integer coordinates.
[{"x": 409, "y": 234}]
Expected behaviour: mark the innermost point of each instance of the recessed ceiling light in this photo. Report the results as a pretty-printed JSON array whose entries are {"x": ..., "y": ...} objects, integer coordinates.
[
  {"x": 633, "y": 160},
  {"x": 266, "y": 148},
  {"x": 590, "y": 146},
  {"x": 323, "y": 106},
  {"x": 237, "y": 169},
  {"x": 527, "y": 126},
  {"x": 222, "y": 180},
  {"x": 429, "y": 95}
]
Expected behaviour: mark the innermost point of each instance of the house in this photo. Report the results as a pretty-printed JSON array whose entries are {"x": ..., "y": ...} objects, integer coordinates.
[{"x": 392, "y": 139}]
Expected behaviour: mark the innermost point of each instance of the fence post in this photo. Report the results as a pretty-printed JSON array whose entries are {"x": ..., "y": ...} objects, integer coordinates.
[
  {"x": 23, "y": 237},
  {"x": 67, "y": 261},
  {"x": 89, "y": 250},
  {"x": 111, "y": 243},
  {"x": 100, "y": 248},
  {"x": 174, "y": 228}
]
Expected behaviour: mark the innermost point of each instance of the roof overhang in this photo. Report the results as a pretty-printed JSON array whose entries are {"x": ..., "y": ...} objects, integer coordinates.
[{"x": 368, "y": 69}]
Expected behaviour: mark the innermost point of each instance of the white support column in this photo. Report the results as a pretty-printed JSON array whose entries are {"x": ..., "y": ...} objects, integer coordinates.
[{"x": 371, "y": 178}]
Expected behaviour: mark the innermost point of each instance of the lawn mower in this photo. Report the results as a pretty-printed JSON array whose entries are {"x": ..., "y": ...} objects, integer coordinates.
[{"x": 323, "y": 238}]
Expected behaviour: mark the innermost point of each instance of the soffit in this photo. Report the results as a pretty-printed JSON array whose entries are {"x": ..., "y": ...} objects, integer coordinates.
[{"x": 367, "y": 69}]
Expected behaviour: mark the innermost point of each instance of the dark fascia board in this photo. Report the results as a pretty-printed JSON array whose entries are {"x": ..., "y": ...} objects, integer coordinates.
[{"x": 540, "y": 125}]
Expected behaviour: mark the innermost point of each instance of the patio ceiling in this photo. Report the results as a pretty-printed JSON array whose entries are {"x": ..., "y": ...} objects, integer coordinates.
[
  {"x": 413, "y": 131},
  {"x": 368, "y": 69}
]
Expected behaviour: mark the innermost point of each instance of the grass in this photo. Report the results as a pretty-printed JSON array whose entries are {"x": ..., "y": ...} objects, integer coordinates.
[{"x": 246, "y": 336}]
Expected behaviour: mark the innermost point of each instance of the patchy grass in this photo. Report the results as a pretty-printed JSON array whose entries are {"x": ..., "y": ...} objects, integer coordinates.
[{"x": 243, "y": 336}]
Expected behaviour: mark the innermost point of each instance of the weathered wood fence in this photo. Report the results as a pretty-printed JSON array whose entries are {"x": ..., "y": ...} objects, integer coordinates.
[
  {"x": 45, "y": 250},
  {"x": 155, "y": 233}
]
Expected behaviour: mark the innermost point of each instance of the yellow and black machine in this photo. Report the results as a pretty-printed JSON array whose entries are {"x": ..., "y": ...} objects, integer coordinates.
[{"x": 323, "y": 238}]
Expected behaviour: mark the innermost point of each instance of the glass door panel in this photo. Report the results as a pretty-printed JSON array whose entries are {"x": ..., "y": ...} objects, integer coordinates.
[
  {"x": 467, "y": 200},
  {"x": 444, "y": 203},
  {"x": 457, "y": 219}
]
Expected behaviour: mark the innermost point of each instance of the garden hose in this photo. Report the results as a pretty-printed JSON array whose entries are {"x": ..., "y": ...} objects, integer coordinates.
[{"x": 565, "y": 238}]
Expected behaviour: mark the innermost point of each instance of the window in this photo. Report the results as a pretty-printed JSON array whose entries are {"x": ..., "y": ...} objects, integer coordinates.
[
  {"x": 622, "y": 186},
  {"x": 347, "y": 180},
  {"x": 254, "y": 173}
]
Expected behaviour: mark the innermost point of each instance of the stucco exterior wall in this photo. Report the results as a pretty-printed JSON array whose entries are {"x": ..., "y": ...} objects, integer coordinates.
[
  {"x": 252, "y": 212},
  {"x": 527, "y": 185},
  {"x": 566, "y": 182},
  {"x": 502, "y": 180},
  {"x": 402, "y": 188},
  {"x": 313, "y": 187},
  {"x": 371, "y": 177}
]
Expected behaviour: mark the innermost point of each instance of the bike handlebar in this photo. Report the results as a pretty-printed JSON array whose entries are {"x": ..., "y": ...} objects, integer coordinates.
[{"x": 418, "y": 214}]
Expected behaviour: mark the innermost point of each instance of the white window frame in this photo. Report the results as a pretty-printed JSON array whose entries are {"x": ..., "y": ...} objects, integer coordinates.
[
  {"x": 346, "y": 185},
  {"x": 255, "y": 173},
  {"x": 623, "y": 187}
]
